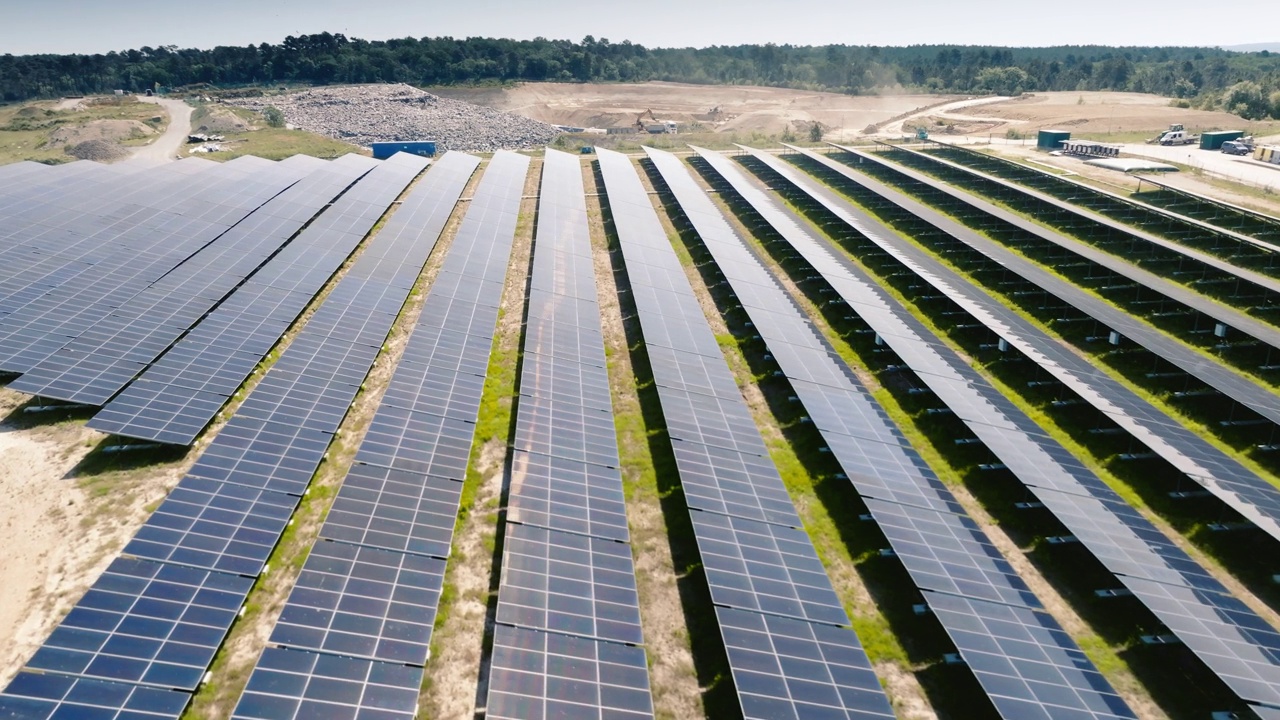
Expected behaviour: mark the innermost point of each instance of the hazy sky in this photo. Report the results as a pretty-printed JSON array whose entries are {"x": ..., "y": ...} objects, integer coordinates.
[{"x": 94, "y": 26}]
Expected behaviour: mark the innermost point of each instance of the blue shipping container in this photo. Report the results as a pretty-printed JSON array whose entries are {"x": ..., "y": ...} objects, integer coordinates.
[{"x": 384, "y": 150}]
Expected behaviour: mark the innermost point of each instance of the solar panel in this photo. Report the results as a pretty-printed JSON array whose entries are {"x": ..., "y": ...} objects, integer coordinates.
[
  {"x": 568, "y": 579},
  {"x": 1203, "y": 463},
  {"x": 362, "y": 602},
  {"x": 567, "y": 495},
  {"x": 754, "y": 555},
  {"x": 118, "y": 271},
  {"x": 372, "y": 582},
  {"x": 220, "y": 352},
  {"x": 48, "y": 696},
  {"x": 1119, "y": 537},
  {"x": 394, "y": 509},
  {"x": 939, "y": 545},
  {"x": 1025, "y": 660},
  {"x": 570, "y": 584},
  {"x": 539, "y": 674},
  {"x": 264, "y": 454},
  {"x": 417, "y": 442},
  {"x": 1226, "y": 380},
  {"x": 162, "y": 625},
  {"x": 138, "y": 331},
  {"x": 215, "y": 526},
  {"x": 788, "y": 668},
  {"x": 725, "y": 481},
  {"x": 147, "y": 623},
  {"x": 299, "y": 685},
  {"x": 767, "y": 568},
  {"x": 565, "y": 429},
  {"x": 1266, "y": 713}
]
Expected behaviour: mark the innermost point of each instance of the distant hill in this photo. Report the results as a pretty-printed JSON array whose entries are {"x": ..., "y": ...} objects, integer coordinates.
[{"x": 1254, "y": 47}]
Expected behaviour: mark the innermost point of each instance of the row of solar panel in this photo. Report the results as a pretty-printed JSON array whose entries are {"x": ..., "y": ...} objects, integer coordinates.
[
  {"x": 1197, "y": 459},
  {"x": 36, "y": 325},
  {"x": 1031, "y": 668},
  {"x": 568, "y": 578},
  {"x": 60, "y": 234},
  {"x": 97, "y": 364},
  {"x": 372, "y": 581},
  {"x": 1230, "y": 382},
  {"x": 158, "y": 615},
  {"x": 1224, "y": 250},
  {"x": 177, "y": 396},
  {"x": 766, "y": 581},
  {"x": 1173, "y": 586}
]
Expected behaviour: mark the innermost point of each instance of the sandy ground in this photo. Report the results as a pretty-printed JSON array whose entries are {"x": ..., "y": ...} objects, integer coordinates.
[
  {"x": 110, "y": 130},
  {"x": 740, "y": 108},
  {"x": 1096, "y": 112},
  {"x": 50, "y": 492},
  {"x": 165, "y": 147}
]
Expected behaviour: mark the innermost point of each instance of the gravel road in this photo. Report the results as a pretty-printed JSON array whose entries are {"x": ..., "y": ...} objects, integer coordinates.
[{"x": 165, "y": 147}]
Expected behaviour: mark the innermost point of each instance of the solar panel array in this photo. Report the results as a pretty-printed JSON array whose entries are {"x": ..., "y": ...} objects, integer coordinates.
[
  {"x": 1031, "y": 669},
  {"x": 1102, "y": 208},
  {"x": 568, "y": 637},
  {"x": 369, "y": 590},
  {"x": 160, "y": 612},
  {"x": 76, "y": 293},
  {"x": 769, "y": 588},
  {"x": 100, "y": 362},
  {"x": 1229, "y": 382},
  {"x": 56, "y": 230},
  {"x": 1188, "y": 205},
  {"x": 174, "y": 399},
  {"x": 1246, "y": 492},
  {"x": 1232, "y": 640}
]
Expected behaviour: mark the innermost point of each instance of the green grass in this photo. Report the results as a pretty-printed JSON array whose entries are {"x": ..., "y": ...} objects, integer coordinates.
[
  {"x": 25, "y": 130},
  {"x": 278, "y": 144}
]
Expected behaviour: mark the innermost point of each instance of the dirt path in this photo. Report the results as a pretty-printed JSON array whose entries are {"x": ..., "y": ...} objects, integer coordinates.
[
  {"x": 165, "y": 147},
  {"x": 63, "y": 518},
  {"x": 894, "y": 129}
]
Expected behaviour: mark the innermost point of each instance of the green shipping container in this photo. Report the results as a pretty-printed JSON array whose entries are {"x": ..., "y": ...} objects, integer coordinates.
[
  {"x": 1052, "y": 139},
  {"x": 1213, "y": 140}
]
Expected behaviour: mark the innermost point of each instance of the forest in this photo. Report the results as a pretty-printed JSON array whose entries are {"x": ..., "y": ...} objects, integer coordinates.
[{"x": 1247, "y": 84}]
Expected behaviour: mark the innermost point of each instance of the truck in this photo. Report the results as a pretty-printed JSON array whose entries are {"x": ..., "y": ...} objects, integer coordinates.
[
  {"x": 1175, "y": 135},
  {"x": 1179, "y": 137}
]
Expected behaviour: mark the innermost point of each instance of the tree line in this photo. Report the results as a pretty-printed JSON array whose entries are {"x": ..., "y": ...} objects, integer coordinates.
[{"x": 1246, "y": 83}]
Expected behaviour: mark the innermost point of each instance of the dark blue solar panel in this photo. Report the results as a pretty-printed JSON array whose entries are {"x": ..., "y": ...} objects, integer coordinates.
[
  {"x": 302, "y": 685},
  {"x": 755, "y": 555},
  {"x": 48, "y": 696},
  {"x": 1117, "y": 535},
  {"x": 147, "y": 623},
  {"x": 548, "y": 675}
]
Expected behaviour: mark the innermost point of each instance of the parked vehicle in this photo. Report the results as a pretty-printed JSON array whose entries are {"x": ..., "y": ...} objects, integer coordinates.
[{"x": 1243, "y": 146}]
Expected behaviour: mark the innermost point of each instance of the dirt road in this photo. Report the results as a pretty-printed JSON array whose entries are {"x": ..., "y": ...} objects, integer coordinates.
[
  {"x": 165, "y": 147},
  {"x": 894, "y": 129}
]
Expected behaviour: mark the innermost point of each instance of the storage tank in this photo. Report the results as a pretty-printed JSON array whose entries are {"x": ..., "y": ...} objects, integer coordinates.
[
  {"x": 384, "y": 150},
  {"x": 1213, "y": 140}
]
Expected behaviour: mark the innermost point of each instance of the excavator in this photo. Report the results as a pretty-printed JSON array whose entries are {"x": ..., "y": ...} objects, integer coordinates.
[{"x": 654, "y": 126}]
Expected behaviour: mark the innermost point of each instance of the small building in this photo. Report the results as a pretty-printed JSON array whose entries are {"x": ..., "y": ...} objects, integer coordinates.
[
  {"x": 1267, "y": 154},
  {"x": 1213, "y": 140},
  {"x": 384, "y": 150},
  {"x": 1052, "y": 139}
]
